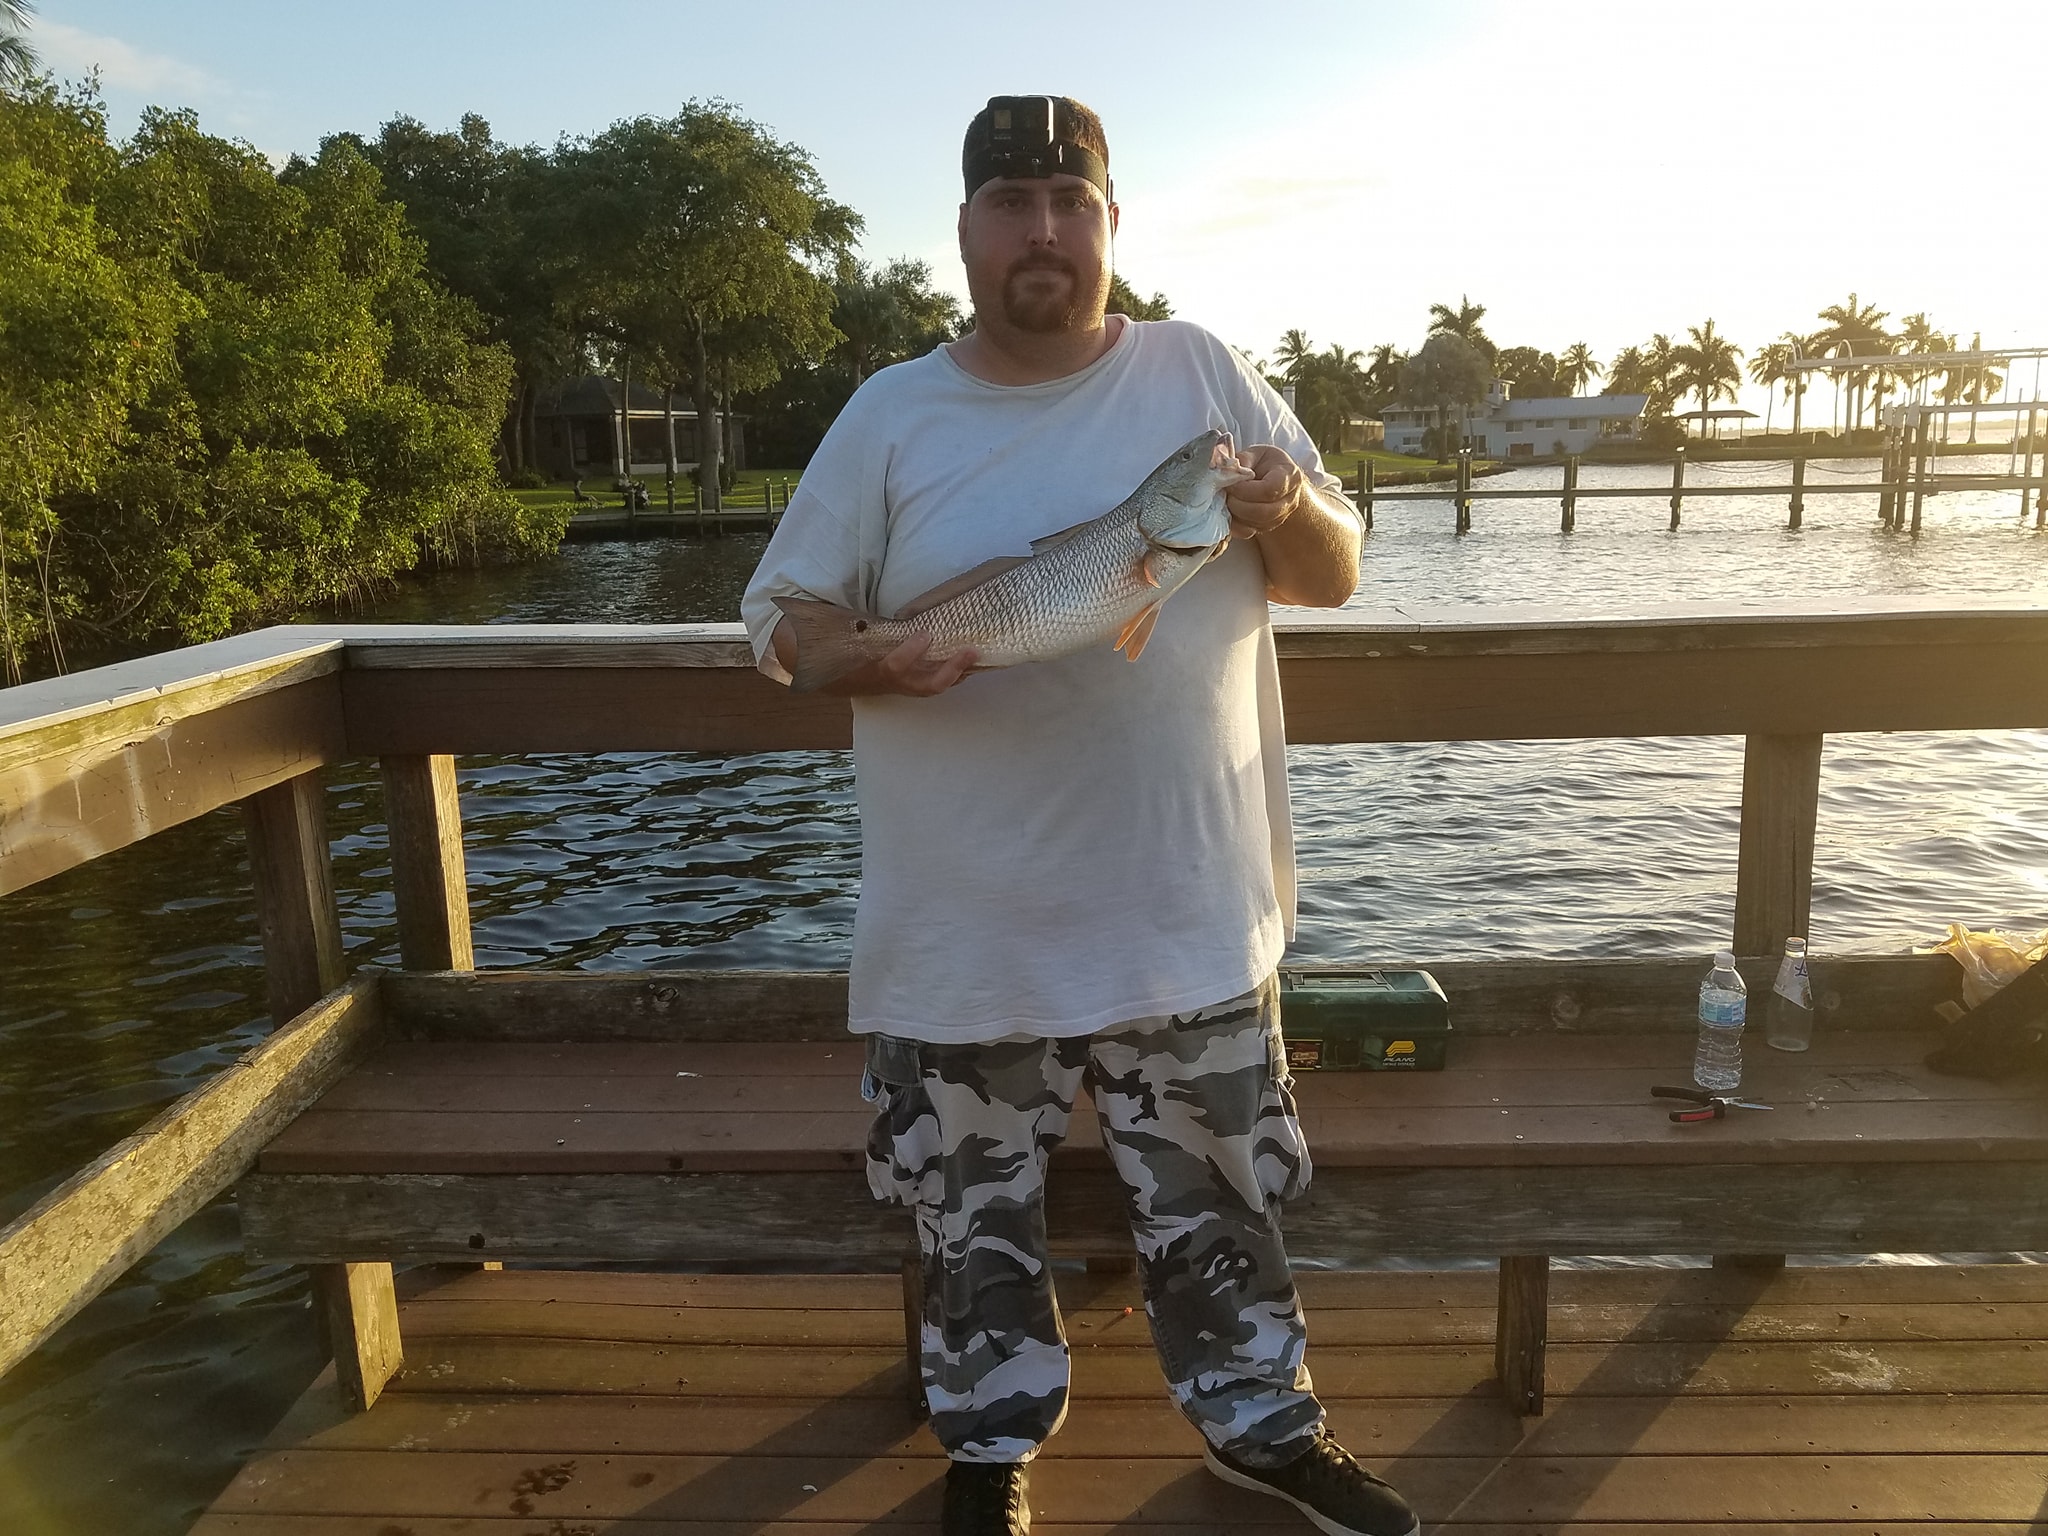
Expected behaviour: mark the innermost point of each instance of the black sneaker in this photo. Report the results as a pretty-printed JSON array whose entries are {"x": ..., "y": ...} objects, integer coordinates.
[
  {"x": 985, "y": 1500},
  {"x": 1324, "y": 1483}
]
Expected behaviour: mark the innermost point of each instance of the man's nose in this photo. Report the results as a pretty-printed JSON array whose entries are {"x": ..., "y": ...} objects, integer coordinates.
[{"x": 1039, "y": 227}]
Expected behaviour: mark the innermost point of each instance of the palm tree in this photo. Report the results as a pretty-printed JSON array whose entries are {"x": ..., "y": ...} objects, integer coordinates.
[
  {"x": 1797, "y": 346},
  {"x": 1576, "y": 368},
  {"x": 1706, "y": 363},
  {"x": 1853, "y": 330},
  {"x": 1973, "y": 382},
  {"x": 1292, "y": 355},
  {"x": 17, "y": 60},
  {"x": 1383, "y": 371},
  {"x": 1462, "y": 322},
  {"x": 1917, "y": 336},
  {"x": 1767, "y": 367}
]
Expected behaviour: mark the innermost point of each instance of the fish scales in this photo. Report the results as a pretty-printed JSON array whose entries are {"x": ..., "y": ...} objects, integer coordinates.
[{"x": 1092, "y": 584}]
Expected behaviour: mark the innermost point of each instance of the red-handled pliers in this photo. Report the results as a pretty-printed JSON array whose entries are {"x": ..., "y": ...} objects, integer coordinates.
[{"x": 1709, "y": 1106}]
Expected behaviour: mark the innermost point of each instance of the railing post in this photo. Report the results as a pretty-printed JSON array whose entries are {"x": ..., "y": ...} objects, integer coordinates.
[
  {"x": 295, "y": 910},
  {"x": 1677, "y": 485},
  {"x": 1774, "y": 860},
  {"x": 302, "y": 962},
  {"x": 428, "y": 877},
  {"x": 1798, "y": 512},
  {"x": 1521, "y": 1328}
]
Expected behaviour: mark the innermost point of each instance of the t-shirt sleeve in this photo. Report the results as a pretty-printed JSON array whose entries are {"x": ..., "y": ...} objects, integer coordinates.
[
  {"x": 817, "y": 549},
  {"x": 1267, "y": 419}
]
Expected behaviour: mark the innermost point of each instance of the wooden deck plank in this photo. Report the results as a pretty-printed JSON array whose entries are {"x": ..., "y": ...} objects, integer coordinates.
[
  {"x": 1110, "y": 1323},
  {"x": 1476, "y": 1424},
  {"x": 1156, "y": 1489},
  {"x": 457, "y": 1141},
  {"x": 448, "y": 1364},
  {"x": 522, "y": 1436},
  {"x": 1854, "y": 1284},
  {"x": 1521, "y": 1069}
]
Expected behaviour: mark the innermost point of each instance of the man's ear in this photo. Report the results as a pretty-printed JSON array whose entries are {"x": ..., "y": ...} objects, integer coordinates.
[
  {"x": 961, "y": 230},
  {"x": 1114, "y": 213}
]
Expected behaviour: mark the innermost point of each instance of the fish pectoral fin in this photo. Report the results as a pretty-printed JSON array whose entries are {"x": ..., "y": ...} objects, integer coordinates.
[
  {"x": 1132, "y": 641},
  {"x": 953, "y": 586},
  {"x": 1217, "y": 549}
]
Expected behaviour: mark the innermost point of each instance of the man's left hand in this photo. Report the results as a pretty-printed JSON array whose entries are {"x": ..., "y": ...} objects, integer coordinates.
[{"x": 1270, "y": 497}]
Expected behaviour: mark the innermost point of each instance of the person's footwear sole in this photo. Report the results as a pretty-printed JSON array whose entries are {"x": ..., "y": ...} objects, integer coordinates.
[{"x": 1316, "y": 1518}]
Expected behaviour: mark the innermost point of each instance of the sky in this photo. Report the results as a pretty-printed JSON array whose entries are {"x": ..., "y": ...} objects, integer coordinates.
[{"x": 1590, "y": 171}]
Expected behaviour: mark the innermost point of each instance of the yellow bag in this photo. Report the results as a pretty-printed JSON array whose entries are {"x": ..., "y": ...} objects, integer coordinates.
[{"x": 1991, "y": 959}]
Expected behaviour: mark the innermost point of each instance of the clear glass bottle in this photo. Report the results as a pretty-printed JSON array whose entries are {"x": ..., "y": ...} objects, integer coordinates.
[
  {"x": 1724, "y": 1004},
  {"x": 1788, "y": 1011}
]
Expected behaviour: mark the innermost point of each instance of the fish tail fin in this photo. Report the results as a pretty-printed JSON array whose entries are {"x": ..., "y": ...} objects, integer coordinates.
[{"x": 828, "y": 641}]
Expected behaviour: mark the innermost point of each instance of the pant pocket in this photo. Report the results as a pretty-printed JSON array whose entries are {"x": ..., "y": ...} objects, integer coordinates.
[
  {"x": 905, "y": 1155},
  {"x": 1280, "y": 1156}
]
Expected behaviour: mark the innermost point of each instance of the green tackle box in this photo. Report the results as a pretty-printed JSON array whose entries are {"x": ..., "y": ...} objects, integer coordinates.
[{"x": 1364, "y": 1021}]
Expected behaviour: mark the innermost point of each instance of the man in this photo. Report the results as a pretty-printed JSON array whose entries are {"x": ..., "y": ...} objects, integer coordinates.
[{"x": 1078, "y": 870}]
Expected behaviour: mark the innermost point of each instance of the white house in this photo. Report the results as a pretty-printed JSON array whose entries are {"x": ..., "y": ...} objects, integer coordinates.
[{"x": 1502, "y": 428}]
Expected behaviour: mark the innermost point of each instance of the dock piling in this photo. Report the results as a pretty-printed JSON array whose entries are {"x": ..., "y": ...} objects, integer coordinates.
[
  {"x": 1570, "y": 514},
  {"x": 1677, "y": 486},
  {"x": 1464, "y": 494},
  {"x": 1797, "y": 517},
  {"x": 1920, "y": 450},
  {"x": 1365, "y": 491}
]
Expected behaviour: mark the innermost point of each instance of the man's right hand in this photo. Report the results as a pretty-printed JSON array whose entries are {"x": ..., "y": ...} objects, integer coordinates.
[{"x": 903, "y": 671}]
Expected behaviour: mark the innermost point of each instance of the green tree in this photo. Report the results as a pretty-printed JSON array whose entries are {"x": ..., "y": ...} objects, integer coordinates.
[
  {"x": 702, "y": 246},
  {"x": 1706, "y": 366},
  {"x": 1530, "y": 374},
  {"x": 87, "y": 333},
  {"x": 1462, "y": 322},
  {"x": 889, "y": 313},
  {"x": 1124, "y": 300},
  {"x": 284, "y": 407},
  {"x": 1448, "y": 373},
  {"x": 1576, "y": 368},
  {"x": 486, "y": 213}
]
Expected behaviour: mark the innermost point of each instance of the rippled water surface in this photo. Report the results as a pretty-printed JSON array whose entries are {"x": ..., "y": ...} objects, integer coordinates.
[{"x": 129, "y": 981}]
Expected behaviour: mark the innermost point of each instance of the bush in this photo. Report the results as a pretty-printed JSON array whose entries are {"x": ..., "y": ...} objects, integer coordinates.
[{"x": 525, "y": 480}]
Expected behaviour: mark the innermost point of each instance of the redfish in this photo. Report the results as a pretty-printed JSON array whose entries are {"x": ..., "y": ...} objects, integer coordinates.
[{"x": 1104, "y": 578}]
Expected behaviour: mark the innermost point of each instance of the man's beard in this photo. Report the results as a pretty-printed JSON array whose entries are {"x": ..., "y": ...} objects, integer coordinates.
[{"x": 1045, "y": 311}]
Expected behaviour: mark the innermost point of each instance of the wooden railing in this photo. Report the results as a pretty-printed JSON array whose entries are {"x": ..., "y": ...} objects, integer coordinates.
[{"x": 96, "y": 761}]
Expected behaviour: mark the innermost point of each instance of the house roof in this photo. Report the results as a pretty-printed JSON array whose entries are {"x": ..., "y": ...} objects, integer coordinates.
[
  {"x": 597, "y": 394},
  {"x": 1551, "y": 408}
]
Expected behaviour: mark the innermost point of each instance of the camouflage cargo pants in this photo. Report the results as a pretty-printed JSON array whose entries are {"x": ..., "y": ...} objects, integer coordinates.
[{"x": 1200, "y": 1125}]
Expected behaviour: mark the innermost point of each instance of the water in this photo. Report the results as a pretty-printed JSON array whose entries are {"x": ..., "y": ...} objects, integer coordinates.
[{"x": 131, "y": 980}]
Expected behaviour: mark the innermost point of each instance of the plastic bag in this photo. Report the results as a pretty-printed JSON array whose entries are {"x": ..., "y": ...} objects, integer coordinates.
[{"x": 1991, "y": 959}]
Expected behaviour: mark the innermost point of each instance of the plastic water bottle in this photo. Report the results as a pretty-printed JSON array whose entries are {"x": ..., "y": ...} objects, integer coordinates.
[
  {"x": 1724, "y": 1001},
  {"x": 1788, "y": 1011}
]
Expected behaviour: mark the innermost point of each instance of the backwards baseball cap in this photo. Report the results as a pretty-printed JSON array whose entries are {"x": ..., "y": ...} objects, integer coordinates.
[{"x": 1034, "y": 136}]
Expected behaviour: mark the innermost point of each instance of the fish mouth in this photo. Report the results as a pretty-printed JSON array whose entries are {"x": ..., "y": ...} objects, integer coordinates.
[{"x": 1224, "y": 460}]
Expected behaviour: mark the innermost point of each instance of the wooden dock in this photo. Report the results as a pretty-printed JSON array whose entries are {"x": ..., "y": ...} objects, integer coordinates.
[{"x": 1794, "y": 1402}]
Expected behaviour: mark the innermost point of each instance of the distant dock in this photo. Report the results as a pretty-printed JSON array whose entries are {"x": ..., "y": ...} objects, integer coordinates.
[{"x": 745, "y": 506}]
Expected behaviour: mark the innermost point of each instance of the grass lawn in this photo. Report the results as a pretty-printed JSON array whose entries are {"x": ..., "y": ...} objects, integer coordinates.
[
  {"x": 599, "y": 487},
  {"x": 1382, "y": 461}
]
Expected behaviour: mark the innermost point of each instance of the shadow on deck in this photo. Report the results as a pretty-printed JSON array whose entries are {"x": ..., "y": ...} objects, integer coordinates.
[{"x": 1798, "y": 1402}]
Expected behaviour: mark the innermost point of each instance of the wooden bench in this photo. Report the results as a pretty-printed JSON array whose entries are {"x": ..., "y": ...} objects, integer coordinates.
[{"x": 715, "y": 1118}]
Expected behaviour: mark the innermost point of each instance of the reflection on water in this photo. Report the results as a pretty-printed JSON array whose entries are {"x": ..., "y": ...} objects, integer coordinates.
[{"x": 132, "y": 979}]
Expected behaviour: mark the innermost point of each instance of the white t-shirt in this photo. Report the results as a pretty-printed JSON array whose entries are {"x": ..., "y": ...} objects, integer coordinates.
[{"x": 1053, "y": 848}]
